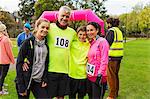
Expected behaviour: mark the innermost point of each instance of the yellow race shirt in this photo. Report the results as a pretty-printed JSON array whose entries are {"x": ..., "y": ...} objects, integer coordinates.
[
  {"x": 59, "y": 42},
  {"x": 78, "y": 59}
]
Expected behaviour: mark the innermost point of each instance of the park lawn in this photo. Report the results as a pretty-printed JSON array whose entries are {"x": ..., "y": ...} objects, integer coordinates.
[
  {"x": 134, "y": 73},
  {"x": 15, "y": 48},
  {"x": 135, "y": 70}
]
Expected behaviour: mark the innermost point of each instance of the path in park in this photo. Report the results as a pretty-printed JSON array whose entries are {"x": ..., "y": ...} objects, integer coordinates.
[
  {"x": 12, "y": 66},
  {"x": 130, "y": 39}
]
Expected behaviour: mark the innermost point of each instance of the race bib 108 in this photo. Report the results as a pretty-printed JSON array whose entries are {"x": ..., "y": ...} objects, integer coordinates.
[
  {"x": 90, "y": 69},
  {"x": 61, "y": 42}
]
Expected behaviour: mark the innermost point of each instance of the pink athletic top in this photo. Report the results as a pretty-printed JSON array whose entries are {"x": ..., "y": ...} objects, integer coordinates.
[
  {"x": 6, "y": 55},
  {"x": 98, "y": 59}
]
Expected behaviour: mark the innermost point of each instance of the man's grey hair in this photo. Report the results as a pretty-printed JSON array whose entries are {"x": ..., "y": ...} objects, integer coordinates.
[{"x": 66, "y": 9}]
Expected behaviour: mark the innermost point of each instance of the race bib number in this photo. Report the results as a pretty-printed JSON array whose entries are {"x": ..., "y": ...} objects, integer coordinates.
[
  {"x": 90, "y": 69},
  {"x": 61, "y": 42}
]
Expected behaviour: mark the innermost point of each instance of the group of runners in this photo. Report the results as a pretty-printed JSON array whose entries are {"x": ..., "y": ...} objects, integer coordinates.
[{"x": 56, "y": 60}]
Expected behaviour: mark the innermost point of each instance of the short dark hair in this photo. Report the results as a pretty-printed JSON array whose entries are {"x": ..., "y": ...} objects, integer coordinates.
[
  {"x": 116, "y": 22},
  {"x": 109, "y": 20},
  {"x": 97, "y": 27},
  {"x": 81, "y": 28},
  {"x": 113, "y": 21}
]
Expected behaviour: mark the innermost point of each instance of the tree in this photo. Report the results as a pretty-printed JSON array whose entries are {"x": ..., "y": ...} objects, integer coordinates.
[
  {"x": 47, "y": 5},
  {"x": 137, "y": 22},
  {"x": 69, "y": 3},
  {"x": 7, "y": 19},
  {"x": 144, "y": 20},
  {"x": 26, "y": 9},
  {"x": 97, "y": 6}
]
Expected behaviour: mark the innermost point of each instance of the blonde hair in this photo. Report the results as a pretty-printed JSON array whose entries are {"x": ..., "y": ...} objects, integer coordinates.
[
  {"x": 66, "y": 9},
  {"x": 2, "y": 26},
  {"x": 38, "y": 22}
]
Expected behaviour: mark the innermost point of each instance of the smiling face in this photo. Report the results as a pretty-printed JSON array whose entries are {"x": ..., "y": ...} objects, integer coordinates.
[
  {"x": 42, "y": 30},
  {"x": 63, "y": 17},
  {"x": 82, "y": 36},
  {"x": 91, "y": 31}
]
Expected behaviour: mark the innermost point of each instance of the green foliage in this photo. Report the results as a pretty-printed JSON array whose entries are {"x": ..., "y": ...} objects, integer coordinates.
[
  {"x": 99, "y": 8},
  {"x": 95, "y": 5},
  {"x": 47, "y": 5},
  {"x": 69, "y": 3},
  {"x": 26, "y": 9},
  {"x": 7, "y": 19},
  {"x": 144, "y": 19},
  {"x": 137, "y": 21}
]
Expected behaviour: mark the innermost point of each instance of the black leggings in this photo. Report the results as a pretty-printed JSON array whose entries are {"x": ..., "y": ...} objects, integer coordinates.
[
  {"x": 3, "y": 72},
  {"x": 78, "y": 87},
  {"x": 95, "y": 91}
]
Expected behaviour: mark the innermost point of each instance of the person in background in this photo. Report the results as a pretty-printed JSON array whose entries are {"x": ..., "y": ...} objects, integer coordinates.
[
  {"x": 24, "y": 35},
  {"x": 35, "y": 53},
  {"x": 77, "y": 66},
  {"x": 6, "y": 56},
  {"x": 115, "y": 40},
  {"x": 97, "y": 62},
  {"x": 60, "y": 38}
]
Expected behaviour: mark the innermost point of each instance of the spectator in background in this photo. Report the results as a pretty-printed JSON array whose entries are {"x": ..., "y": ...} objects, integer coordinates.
[
  {"x": 115, "y": 40},
  {"x": 6, "y": 56},
  {"x": 24, "y": 35}
]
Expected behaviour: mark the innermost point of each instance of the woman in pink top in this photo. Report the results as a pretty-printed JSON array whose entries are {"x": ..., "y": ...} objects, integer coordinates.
[
  {"x": 97, "y": 62},
  {"x": 6, "y": 56}
]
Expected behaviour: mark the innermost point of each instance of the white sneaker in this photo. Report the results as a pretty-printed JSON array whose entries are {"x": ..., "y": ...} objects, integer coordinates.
[{"x": 4, "y": 92}]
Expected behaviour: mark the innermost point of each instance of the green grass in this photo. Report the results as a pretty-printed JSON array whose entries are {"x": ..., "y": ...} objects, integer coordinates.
[
  {"x": 134, "y": 73},
  {"x": 135, "y": 69},
  {"x": 15, "y": 48},
  {"x": 11, "y": 86}
]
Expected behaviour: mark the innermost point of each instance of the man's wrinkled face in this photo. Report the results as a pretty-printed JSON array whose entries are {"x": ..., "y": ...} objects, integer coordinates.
[{"x": 63, "y": 17}]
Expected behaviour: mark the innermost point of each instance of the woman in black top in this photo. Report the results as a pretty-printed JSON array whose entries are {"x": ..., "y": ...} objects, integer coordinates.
[{"x": 34, "y": 52}]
